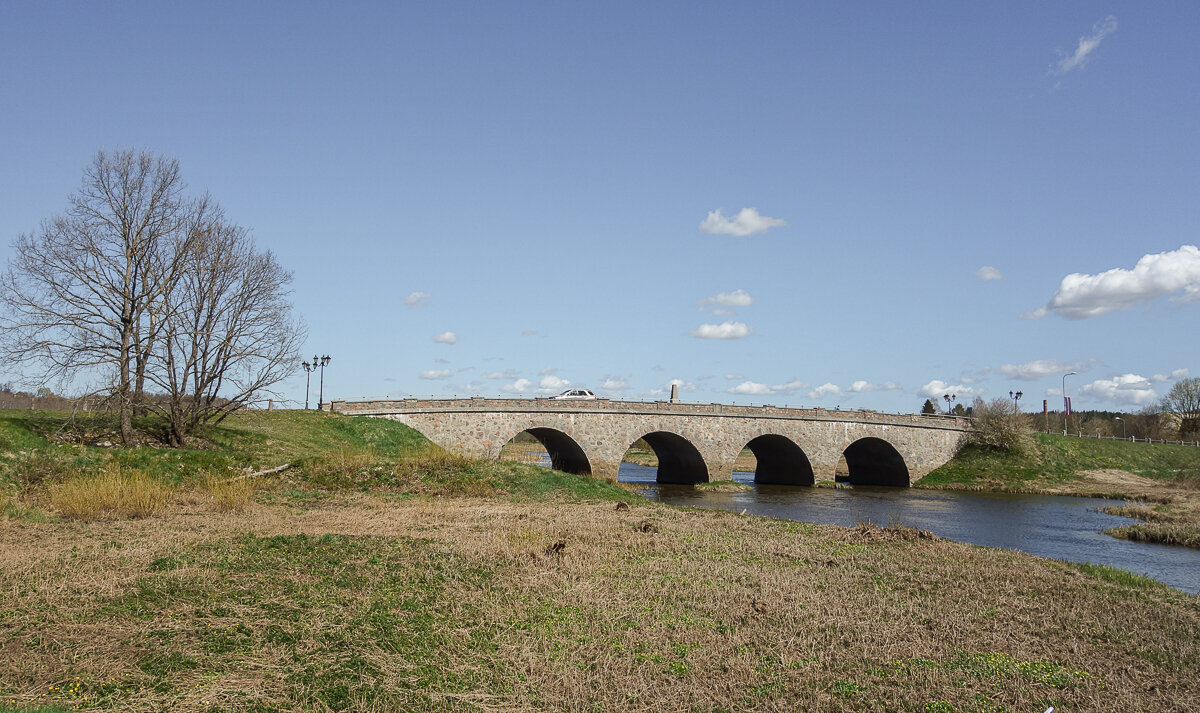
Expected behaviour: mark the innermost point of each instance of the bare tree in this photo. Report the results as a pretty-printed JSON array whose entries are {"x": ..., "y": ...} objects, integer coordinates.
[
  {"x": 138, "y": 284},
  {"x": 227, "y": 334},
  {"x": 81, "y": 291}
]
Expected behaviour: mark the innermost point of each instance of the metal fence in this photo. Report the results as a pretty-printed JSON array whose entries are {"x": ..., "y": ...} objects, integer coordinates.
[{"x": 1131, "y": 439}]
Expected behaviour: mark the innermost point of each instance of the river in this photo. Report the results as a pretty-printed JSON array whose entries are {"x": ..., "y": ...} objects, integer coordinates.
[{"x": 1065, "y": 528}]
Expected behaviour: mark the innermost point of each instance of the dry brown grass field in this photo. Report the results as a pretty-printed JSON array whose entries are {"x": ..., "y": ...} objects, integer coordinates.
[
  {"x": 369, "y": 602},
  {"x": 300, "y": 562}
]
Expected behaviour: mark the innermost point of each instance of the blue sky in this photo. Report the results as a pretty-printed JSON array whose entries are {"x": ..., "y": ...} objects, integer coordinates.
[{"x": 855, "y": 205}]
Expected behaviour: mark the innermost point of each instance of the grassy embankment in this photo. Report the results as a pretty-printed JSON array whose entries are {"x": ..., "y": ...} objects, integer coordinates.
[
  {"x": 1166, "y": 478},
  {"x": 378, "y": 573}
]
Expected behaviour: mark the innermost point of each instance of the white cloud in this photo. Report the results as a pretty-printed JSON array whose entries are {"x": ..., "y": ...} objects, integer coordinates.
[
  {"x": 417, "y": 299},
  {"x": 548, "y": 370},
  {"x": 615, "y": 384},
  {"x": 826, "y": 389},
  {"x": 1039, "y": 369},
  {"x": 506, "y": 374},
  {"x": 528, "y": 332},
  {"x": 1081, "y": 296},
  {"x": 731, "y": 377},
  {"x": 446, "y": 338},
  {"x": 551, "y": 383},
  {"x": 754, "y": 388},
  {"x": 684, "y": 387},
  {"x": 1124, "y": 389},
  {"x": 987, "y": 272},
  {"x": 1177, "y": 374},
  {"x": 548, "y": 385},
  {"x": 520, "y": 386},
  {"x": 737, "y": 298},
  {"x": 1087, "y": 45},
  {"x": 791, "y": 386},
  {"x": 434, "y": 374},
  {"x": 724, "y": 330},
  {"x": 746, "y": 222},
  {"x": 751, "y": 388},
  {"x": 938, "y": 388},
  {"x": 859, "y": 387}
]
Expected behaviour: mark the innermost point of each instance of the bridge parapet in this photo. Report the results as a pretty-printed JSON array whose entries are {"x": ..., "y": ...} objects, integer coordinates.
[{"x": 378, "y": 407}]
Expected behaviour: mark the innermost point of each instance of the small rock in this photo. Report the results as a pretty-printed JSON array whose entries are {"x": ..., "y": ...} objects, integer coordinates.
[{"x": 622, "y": 506}]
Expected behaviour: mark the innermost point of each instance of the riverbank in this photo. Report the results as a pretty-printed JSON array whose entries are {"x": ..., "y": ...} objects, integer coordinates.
[
  {"x": 372, "y": 602},
  {"x": 1163, "y": 478},
  {"x": 376, "y": 573}
]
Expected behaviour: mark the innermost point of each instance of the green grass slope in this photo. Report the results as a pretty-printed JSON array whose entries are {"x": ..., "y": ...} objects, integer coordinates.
[
  {"x": 1057, "y": 460},
  {"x": 322, "y": 453}
]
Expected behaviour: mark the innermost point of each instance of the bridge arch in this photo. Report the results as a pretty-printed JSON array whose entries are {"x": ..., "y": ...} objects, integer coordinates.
[
  {"x": 780, "y": 461},
  {"x": 678, "y": 460},
  {"x": 565, "y": 453},
  {"x": 874, "y": 461}
]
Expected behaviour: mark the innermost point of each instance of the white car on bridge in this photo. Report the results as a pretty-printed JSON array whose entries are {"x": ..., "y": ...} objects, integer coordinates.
[{"x": 576, "y": 395}]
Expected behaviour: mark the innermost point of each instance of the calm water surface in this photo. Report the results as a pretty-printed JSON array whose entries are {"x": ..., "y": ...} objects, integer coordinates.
[{"x": 1049, "y": 526}]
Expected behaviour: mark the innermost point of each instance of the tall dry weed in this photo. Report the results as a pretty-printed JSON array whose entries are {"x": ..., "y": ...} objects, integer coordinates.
[
  {"x": 431, "y": 460},
  {"x": 114, "y": 493},
  {"x": 229, "y": 495},
  {"x": 339, "y": 469}
]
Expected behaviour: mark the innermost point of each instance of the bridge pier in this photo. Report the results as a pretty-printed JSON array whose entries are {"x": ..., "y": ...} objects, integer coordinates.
[{"x": 606, "y": 469}]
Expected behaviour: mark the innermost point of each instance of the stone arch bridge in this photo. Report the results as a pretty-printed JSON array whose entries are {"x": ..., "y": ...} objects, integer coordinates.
[{"x": 694, "y": 443}]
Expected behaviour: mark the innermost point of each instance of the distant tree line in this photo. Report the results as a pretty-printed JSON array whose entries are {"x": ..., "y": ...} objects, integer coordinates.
[
  {"x": 1175, "y": 417},
  {"x": 42, "y": 398}
]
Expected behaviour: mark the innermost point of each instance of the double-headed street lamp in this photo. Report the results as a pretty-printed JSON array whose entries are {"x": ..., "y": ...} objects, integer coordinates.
[
  {"x": 321, "y": 394},
  {"x": 316, "y": 363},
  {"x": 949, "y": 398},
  {"x": 1015, "y": 397},
  {"x": 1066, "y": 401}
]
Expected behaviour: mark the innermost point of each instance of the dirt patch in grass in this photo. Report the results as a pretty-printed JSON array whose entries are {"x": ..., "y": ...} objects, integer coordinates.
[
  {"x": 1112, "y": 480},
  {"x": 366, "y": 602}
]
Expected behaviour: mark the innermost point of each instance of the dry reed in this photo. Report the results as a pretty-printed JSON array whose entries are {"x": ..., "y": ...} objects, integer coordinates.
[
  {"x": 113, "y": 493},
  {"x": 226, "y": 494}
]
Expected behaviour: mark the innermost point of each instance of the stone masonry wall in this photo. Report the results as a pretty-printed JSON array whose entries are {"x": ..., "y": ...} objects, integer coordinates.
[{"x": 605, "y": 429}]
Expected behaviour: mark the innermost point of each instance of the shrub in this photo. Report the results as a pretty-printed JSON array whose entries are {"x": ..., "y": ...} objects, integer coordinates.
[
  {"x": 115, "y": 492},
  {"x": 999, "y": 426}
]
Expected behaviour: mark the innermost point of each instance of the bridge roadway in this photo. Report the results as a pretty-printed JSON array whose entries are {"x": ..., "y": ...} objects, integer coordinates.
[{"x": 694, "y": 442}]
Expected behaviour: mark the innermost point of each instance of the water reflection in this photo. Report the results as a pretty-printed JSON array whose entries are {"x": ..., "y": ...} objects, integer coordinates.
[{"x": 1064, "y": 528}]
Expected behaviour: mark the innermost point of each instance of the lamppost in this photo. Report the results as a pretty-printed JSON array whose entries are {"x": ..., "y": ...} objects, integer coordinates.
[
  {"x": 1015, "y": 397},
  {"x": 322, "y": 361},
  {"x": 309, "y": 368},
  {"x": 1066, "y": 402},
  {"x": 949, "y": 398},
  {"x": 1122, "y": 426}
]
